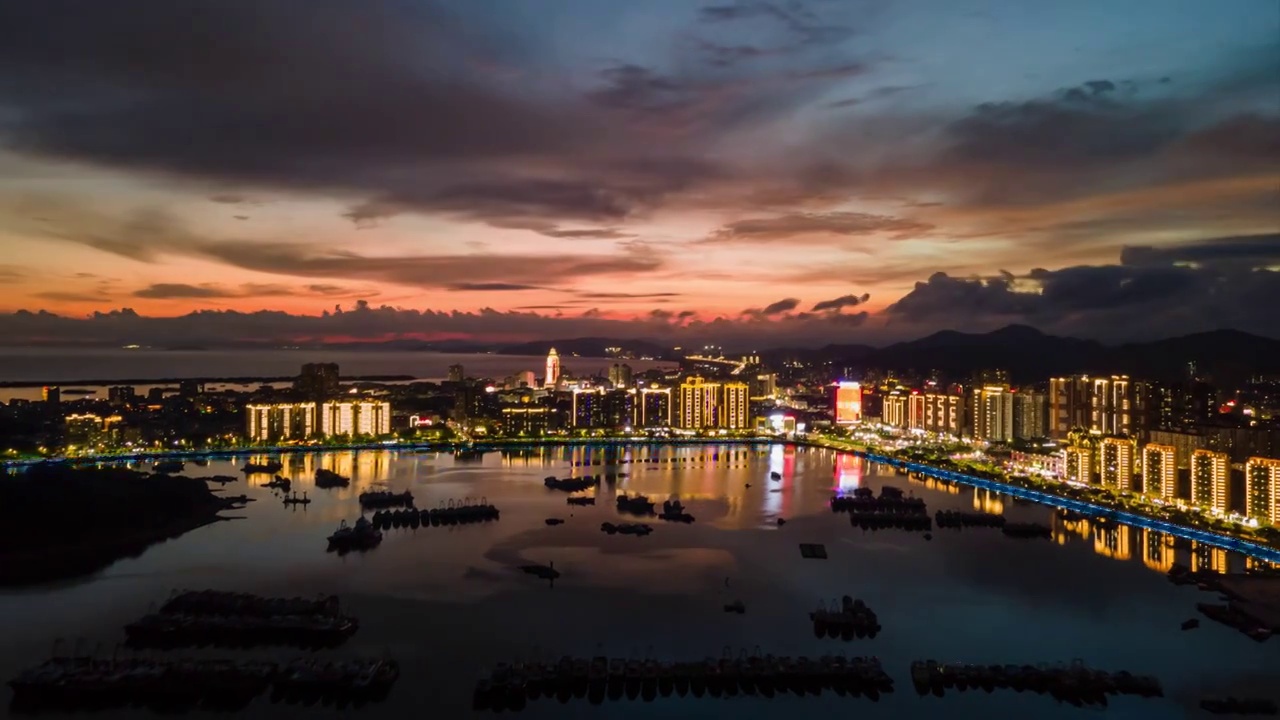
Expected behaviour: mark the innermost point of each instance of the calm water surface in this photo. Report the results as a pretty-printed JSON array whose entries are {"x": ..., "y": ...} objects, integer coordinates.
[{"x": 449, "y": 602}]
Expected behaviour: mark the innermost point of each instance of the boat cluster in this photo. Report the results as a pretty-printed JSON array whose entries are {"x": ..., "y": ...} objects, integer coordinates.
[
  {"x": 961, "y": 519},
  {"x": 212, "y": 618},
  {"x": 846, "y": 619},
  {"x": 636, "y": 505},
  {"x": 279, "y": 482},
  {"x": 379, "y": 499},
  {"x": 360, "y": 536},
  {"x": 511, "y": 685},
  {"x": 890, "y": 501},
  {"x": 268, "y": 468},
  {"x": 577, "y": 484},
  {"x": 673, "y": 511},
  {"x": 1027, "y": 530},
  {"x": 1231, "y": 616},
  {"x": 86, "y": 683},
  {"x": 459, "y": 512},
  {"x": 580, "y": 500},
  {"x": 326, "y": 479},
  {"x": 166, "y": 630},
  {"x": 1075, "y": 684},
  {"x": 168, "y": 467},
  {"x": 637, "y": 529},
  {"x": 1239, "y": 706},
  {"x": 221, "y": 602}
]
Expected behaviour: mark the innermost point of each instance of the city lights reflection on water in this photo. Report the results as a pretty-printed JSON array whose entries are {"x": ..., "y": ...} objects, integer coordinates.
[{"x": 968, "y": 595}]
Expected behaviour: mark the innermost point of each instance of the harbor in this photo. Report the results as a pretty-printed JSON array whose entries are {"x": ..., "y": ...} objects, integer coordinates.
[{"x": 732, "y": 577}]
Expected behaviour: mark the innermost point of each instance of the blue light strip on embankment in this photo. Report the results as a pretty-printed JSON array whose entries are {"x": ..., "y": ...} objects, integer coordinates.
[{"x": 1221, "y": 541}]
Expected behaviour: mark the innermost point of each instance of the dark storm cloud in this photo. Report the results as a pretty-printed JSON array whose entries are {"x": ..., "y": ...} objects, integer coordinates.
[
  {"x": 1153, "y": 294},
  {"x": 784, "y": 227},
  {"x": 491, "y": 287},
  {"x": 777, "y": 308},
  {"x": 632, "y": 87},
  {"x": 1077, "y": 126},
  {"x": 184, "y": 291},
  {"x": 376, "y": 97},
  {"x": 1256, "y": 250},
  {"x": 841, "y": 302}
]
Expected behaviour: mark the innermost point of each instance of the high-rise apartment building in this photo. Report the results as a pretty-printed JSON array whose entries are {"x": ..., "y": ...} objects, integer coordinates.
[
  {"x": 706, "y": 404},
  {"x": 1210, "y": 476},
  {"x": 992, "y": 407},
  {"x": 699, "y": 405},
  {"x": 355, "y": 417},
  {"x": 736, "y": 411},
  {"x": 653, "y": 408},
  {"x": 1078, "y": 464},
  {"x": 1116, "y": 463},
  {"x": 764, "y": 386},
  {"x": 1262, "y": 490},
  {"x": 620, "y": 375},
  {"x": 1160, "y": 471},
  {"x": 1111, "y": 405},
  {"x": 944, "y": 413},
  {"x": 848, "y": 403},
  {"x": 317, "y": 381},
  {"x": 280, "y": 421},
  {"x": 588, "y": 409},
  {"x": 1030, "y": 415},
  {"x": 1068, "y": 405},
  {"x": 456, "y": 374}
]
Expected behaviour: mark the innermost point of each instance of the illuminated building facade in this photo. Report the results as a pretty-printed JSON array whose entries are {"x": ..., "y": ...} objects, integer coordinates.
[
  {"x": 1261, "y": 480},
  {"x": 1111, "y": 406},
  {"x": 1116, "y": 463},
  {"x": 275, "y": 422},
  {"x": 1210, "y": 476},
  {"x": 713, "y": 405},
  {"x": 1160, "y": 471},
  {"x": 456, "y": 374},
  {"x": 355, "y": 417},
  {"x": 1068, "y": 405},
  {"x": 653, "y": 408},
  {"x": 553, "y": 369},
  {"x": 528, "y": 419},
  {"x": 699, "y": 405},
  {"x": 992, "y": 413},
  {"x": 944, "y": 413},
  {"x": 88, "y": 431},
  {"x": 736, "y": 406},
  {"x": 848, "y": 403},
  {"x": 1077, "y": 464},
  {"x": 894, "y": 411},
  {"x": 51, "y": 394},
  {"x": 588, "y": 409}
]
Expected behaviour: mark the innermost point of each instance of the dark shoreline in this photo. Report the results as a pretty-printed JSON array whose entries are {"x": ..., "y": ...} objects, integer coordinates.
[
  {"x": 208, "y": 380},
  {"x": 48, "y": 564}
]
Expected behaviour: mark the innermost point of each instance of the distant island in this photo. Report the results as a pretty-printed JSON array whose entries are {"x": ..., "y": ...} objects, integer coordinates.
[{"x": 58, "y": 521}]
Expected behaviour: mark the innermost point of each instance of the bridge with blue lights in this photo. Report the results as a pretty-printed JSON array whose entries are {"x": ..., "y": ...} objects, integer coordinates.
[{"x": 1243, "y": 547}]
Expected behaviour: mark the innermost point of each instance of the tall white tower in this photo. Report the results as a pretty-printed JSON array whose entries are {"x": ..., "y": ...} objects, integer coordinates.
[{"x": 553, "y": 369}]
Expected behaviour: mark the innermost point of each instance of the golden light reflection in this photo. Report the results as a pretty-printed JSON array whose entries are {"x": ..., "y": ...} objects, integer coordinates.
[
  {"x": 934, "y": 484},
  {"x": 1157, "y": 551},
  {"x": 1207, "y": 558},
  {"x": 1065, "y": 530},
  {"x": 988, "y": 501},
  {"x": 1114, "y": 541}
]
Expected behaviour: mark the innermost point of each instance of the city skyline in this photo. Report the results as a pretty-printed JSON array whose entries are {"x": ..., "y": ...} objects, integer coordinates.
[{"x": 797, "y": 172}]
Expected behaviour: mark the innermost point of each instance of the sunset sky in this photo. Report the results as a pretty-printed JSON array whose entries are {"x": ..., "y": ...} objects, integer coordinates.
[{"x": 798, "y": 171}]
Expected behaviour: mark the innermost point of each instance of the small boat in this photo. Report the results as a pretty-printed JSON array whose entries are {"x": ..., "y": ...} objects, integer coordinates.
[
  {"x": 268, "y": 468},
  {"x": 775, "y": 475},
  {"x": 326, "y": 479}
]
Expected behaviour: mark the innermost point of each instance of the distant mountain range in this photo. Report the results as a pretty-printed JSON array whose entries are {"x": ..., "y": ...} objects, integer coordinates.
[{"x": 1028, "y": 354}]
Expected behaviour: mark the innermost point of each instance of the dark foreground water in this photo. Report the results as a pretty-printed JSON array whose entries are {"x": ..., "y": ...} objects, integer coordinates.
[{"x": 449, "y": 602}]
